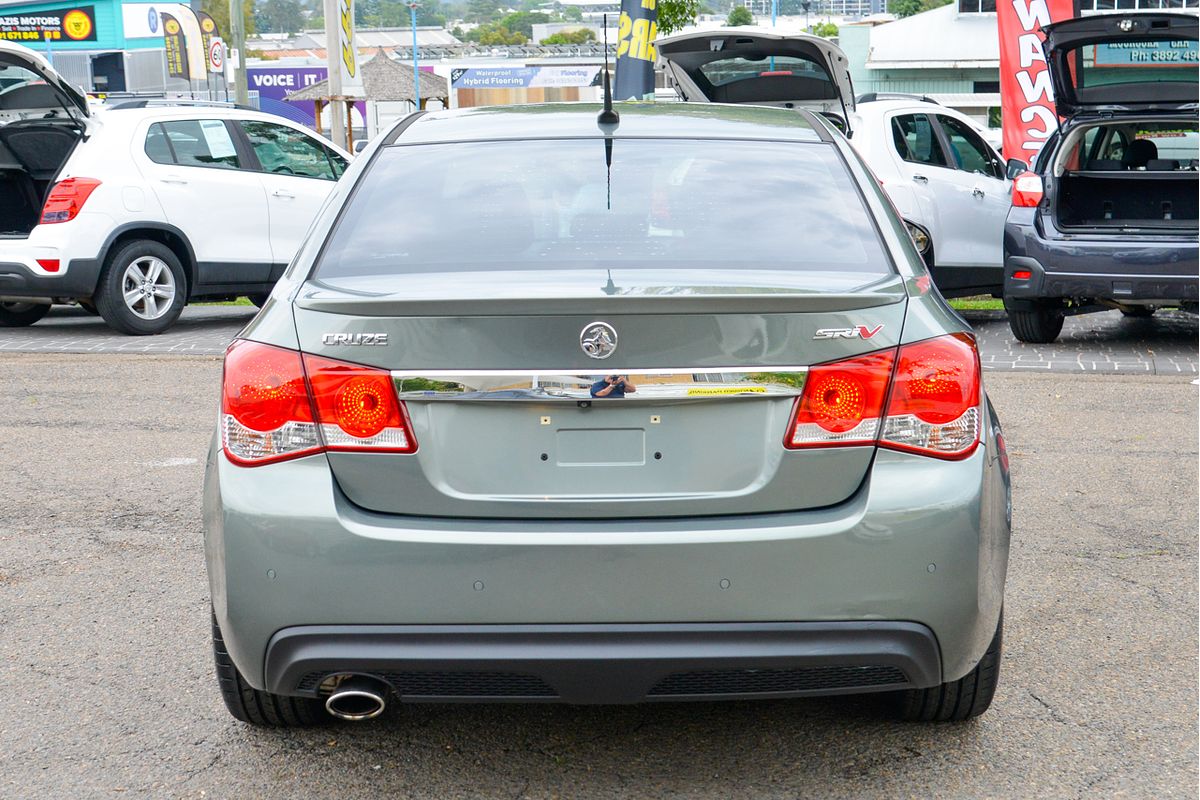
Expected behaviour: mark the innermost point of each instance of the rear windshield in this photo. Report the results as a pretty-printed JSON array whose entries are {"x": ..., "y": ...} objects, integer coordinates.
[
  {"x": 557, "y": 205},
  {"x": 1151, "y": 63}
]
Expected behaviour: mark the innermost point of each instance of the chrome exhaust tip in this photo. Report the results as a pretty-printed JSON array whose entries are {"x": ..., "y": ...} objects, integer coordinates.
[{"x": 358, "y": 698}]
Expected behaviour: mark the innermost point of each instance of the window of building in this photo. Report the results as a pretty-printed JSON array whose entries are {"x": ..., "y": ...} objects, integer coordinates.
[{"x": 985, "y": 87}]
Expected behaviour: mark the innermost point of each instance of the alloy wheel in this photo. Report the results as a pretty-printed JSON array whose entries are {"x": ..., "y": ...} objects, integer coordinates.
[{"x": 148, "y": 287}]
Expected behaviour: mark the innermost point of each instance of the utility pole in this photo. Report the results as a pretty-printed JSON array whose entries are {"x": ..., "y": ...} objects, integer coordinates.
[
  {"x": 237, "y": 33},
  {"x": 412, "y": 7},
  {"x": 333, "y": 51}
]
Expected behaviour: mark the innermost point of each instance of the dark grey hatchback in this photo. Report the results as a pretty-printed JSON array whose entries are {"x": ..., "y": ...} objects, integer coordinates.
[
  {"x": 556, "y": 409},
  {"x": 1107, "y": 218}
]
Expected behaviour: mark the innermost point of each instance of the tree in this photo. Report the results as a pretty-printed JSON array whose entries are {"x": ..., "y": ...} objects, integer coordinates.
[
  {"x": 674, "y": 15},
  {"x": 279, "y": 16},
  {"x": 482, "y": 10},
  {"x": 495, "y": 33},
  {"x": 219, "y": 11},
  {"x": 523, "y": 21},
  {"x": 906, "y": 8},
  {"x": 740, "y": 15},
  {"x": 571, "y": 37},
  {"x": 572, "y": 14},
  {"x": 826, "y": 29}
]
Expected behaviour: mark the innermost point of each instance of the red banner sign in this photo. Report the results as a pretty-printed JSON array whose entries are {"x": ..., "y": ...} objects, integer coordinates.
[{"x": 1026, "y": 96}]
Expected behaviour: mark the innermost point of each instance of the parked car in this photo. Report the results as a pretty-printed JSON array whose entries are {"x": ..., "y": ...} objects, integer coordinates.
[
  {"x": 137, "y": 210},
  {"x": 424, "y": 485},
  {"x": 1107, "y": 217},
  {"x": 935, "y": 164}
]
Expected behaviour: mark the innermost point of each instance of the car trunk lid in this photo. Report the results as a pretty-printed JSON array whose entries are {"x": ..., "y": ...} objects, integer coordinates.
[
  {"x": 30, "y": 95},
  {"x": 1114, "y": 63},
  {"x": 734, "y": 65},
  {"x": 499, "y": 386}
]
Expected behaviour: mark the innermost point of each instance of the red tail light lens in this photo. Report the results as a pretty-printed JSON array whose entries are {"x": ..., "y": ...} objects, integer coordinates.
[
  {"x": 267, "y": 411},
  {"x": 266, "y": 415},
  {"x": 932, "y": 409},
  {"x": 842, "y": 402},
  {"x": 66, "y": 199},
  {"x": 357, "y": 407},
  {"x": 1027, "y": 190},
  {"x": 934, "y": 405}
]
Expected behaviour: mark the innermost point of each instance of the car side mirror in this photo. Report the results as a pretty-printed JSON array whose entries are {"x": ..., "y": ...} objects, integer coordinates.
[
  {"x": 1015, "y": 167},
  {"x": 360, "y": 145}
]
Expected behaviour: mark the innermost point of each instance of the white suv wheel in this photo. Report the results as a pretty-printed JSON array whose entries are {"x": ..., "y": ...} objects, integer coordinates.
[{"x": 148, "y": 287}]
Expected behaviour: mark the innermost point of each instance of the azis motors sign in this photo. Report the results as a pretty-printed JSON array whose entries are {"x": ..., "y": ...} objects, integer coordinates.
[
  {"x": 1026, "y": 95},
  {"x": 61, "y": 25}
]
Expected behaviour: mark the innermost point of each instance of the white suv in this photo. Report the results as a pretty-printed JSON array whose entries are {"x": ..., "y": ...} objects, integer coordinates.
[
  {"x": 134, "y": 211},
  {"x": 946, "y": 181}
]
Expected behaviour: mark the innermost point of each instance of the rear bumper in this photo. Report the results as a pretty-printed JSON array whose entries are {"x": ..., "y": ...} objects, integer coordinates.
[
  {"x": 1133, "y": 268},
  {"x": 77, "y": 281},
  {"x": 303, "y": 583},
  {"x": 609, "y": 663}
]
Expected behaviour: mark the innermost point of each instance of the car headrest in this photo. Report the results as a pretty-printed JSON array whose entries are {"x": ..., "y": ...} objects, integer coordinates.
[{"x": 1139, "y": 152}]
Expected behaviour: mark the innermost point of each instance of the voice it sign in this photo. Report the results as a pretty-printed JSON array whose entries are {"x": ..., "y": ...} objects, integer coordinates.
[{"x": 1026, "y": 95}]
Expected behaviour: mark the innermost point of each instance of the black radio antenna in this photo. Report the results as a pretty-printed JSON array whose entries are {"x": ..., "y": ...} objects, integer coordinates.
[{"x": 607, "y": 115}]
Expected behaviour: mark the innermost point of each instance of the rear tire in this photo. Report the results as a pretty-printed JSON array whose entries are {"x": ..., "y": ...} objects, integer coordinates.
[
  {"x": 139, "y": 265},
  {"x": 1038, "y": 325},
  {"x": 257, "y": 707},
  {"x": 959, "y": 700},
  {"x": 259, "y": 300},
  {"x": 20, "y": 315}
]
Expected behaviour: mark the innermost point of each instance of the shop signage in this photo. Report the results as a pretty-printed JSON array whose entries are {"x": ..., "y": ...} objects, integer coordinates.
[
  {"x": 1026, "y": 95},
  {"x": 61, "y": 25},
  {"x": 524, "y": 77}
]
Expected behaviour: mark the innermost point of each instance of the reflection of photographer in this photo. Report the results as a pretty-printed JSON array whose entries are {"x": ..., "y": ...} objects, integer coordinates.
[{"x": 613, "y": 386}]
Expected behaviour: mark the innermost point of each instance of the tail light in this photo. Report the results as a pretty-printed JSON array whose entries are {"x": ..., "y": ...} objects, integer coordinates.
[
  {"x": 66, "y": 199},
  {"x": 1027, "y": 190},
  {"x": 842, "y": 402},
  {"x": 358, "y": 408},
  {"x": 932, "y": 407},
  {"x": 272, "y": 411}
]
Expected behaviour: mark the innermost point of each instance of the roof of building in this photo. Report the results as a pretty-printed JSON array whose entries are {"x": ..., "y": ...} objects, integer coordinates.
[
  {"x": 383, "y": 79},
  {"x": 939, "y": 38},
  {"x": 578, "y": 120}
]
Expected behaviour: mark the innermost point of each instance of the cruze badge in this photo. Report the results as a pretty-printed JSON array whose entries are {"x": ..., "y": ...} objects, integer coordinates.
[
  {"x": 857, "y": 332},
  {"x": 354, "y": 339},
  {"x": 598, "y": 340}
]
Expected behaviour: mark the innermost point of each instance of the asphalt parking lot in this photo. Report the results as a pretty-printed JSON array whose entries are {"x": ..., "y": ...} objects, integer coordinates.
[{"x": 104, "y": 644}]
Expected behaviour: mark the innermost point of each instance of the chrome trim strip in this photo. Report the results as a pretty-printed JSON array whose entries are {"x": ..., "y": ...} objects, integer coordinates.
[{"x": 574, "y": 385}]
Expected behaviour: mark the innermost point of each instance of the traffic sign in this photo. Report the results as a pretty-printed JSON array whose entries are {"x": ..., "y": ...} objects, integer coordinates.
[{"x": 216, "y": 55}]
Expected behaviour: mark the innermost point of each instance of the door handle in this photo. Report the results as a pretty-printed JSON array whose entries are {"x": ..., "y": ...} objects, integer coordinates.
[
  {"x": 174, "y": 179},
  {"x": 977, "y": 192},
  {"x": 920, "y": 179},
  {"x": 284, "y": 195}
]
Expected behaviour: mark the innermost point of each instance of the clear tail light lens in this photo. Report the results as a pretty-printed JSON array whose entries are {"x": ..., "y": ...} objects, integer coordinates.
[
  {"x": 842, "y": 402},
  {"x": 934, "y": 405},
  {"x": 357, "y": 407},
  {"x": 66, "y": 199},
  {"x": 272, "y": 411},
  {"x": 1027, "y": 190},
  {"x": 265, "y": 411}
]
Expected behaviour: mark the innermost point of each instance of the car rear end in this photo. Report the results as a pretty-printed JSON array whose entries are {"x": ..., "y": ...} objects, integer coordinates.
[
  {"x": 1108, "y": 216},
  {"x": 415, "y": 482}
]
